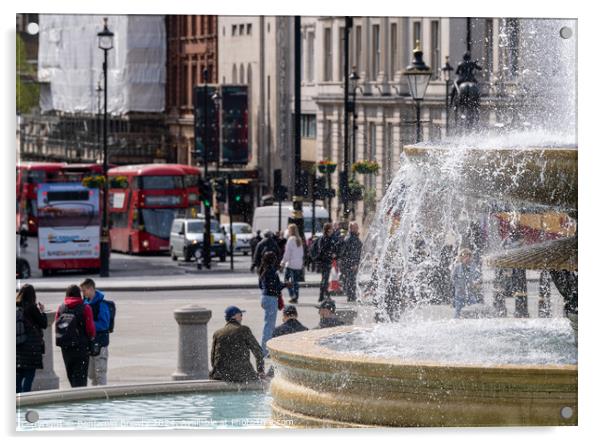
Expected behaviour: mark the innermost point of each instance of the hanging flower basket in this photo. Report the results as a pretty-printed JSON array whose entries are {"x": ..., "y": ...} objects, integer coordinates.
[
  {"x": 118, "y": 182},
  {"x": 327, "y": 167},
  {"x": 365, "y": 167},
  {"x": 356, "y": 190},
  {"x": 93, "y": 182}
]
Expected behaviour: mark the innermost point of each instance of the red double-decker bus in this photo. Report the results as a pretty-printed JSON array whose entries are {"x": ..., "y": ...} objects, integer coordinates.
[
  {"x": 30, "y": 174},
  {"x": 144, "y": 200}
]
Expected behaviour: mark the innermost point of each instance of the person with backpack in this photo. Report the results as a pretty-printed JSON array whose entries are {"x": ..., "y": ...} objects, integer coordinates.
[
  {"x": 31, "y": 321},
  {"x": 322, "y": 254},
  {"x": 74, "y": 331},
  {"x": 103, "y": 312},
  {"x": 268, "y": 244}
]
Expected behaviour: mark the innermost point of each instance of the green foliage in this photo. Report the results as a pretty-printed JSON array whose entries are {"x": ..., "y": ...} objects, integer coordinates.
[{"x": 28, "y": 91}]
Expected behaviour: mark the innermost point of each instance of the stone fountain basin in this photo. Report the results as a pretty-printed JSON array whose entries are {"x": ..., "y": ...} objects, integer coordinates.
[
  {"x": 541, "y": 176},
  {"x": 315, "y": 386}
]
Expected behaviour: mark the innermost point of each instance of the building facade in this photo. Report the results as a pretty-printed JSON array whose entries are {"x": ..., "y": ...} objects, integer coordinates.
[{"x": 191, "y": 48}]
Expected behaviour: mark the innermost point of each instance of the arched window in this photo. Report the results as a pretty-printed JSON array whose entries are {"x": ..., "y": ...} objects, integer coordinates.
[
  {"x": 234, "y": 77},
  {"x": 242, "y": 74},
  {"x": 249, "y": 75}
]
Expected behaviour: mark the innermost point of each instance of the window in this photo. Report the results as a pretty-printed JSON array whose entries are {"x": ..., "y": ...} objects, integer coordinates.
[
  {"x": 417, "y": 33},
  {"x": 435, "y": 49},
  {"x": 161, "y": 182},
  {"x": 375, "y": 51},
  {"x": 488, "y": 48},
  {"x": 242, "y": 74},
  {"x": 308, "y": 126},
  {"x": 234, "y": 76},
  {"x": 327, "y": 55},
  {"x": 233, "y": 30},
  {"x": 310, "y": 56},
  {"x": 393, "y": 58},
  {"x": 241, "y": 29},
  {"x": 358, "y": 48},
  {"x": 193, "y": 20},
  {"x": 249, "y": 29},
  {"x": 341, "y": 53}
]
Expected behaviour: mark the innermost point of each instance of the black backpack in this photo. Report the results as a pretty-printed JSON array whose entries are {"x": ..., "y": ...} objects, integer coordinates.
[
  {"x": 112, "y": 312},
  {"x": 70, "y": 328},
  {"x": 21, "y": 334}
]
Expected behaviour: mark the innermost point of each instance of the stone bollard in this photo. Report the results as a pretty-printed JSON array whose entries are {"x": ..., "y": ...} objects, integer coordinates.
[
  {"x": 346, "y": 315},
  {"x": 192, "y": 343},
  {"x": 46, "y": 378}
]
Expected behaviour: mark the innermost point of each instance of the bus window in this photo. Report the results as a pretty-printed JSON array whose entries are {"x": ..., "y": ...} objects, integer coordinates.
[
  {"x": 161, "y": 182},
  {"x": 158, "y": 222}
]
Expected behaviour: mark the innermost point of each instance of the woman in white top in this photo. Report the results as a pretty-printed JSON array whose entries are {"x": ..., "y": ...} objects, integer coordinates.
[{"x": 292, "y": 260}]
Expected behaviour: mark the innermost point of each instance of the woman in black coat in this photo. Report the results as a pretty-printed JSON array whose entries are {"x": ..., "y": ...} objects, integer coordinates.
[{"x": 29, "y": 353}]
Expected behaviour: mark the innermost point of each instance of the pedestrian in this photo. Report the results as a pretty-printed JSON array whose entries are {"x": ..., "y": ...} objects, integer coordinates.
[
  {"x": 349, "y": 257},
  {"x": 30, "y": 344},
  {"x": 290, "y": 324},
  {"x": 328, "y": 317},
  {"x": 230, "y": 358},
  {"x": 323, "y": 254},
  {"x": 268, "y": 244},
  {"x": 292, "y": 262},
  {"x": 74, "y": 331},
  {"x": 271, "y": 287},
  {"x": 97, "y": 369},
  {"x": 466, "y": 281},
  {"x": 281, "y": 242},
  {"x": 253, "y": 243}
]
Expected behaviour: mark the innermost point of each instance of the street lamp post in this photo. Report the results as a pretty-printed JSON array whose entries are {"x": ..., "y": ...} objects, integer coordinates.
[
  {"x": 98, "y": 94},
  {"x": 353, "y": 79},
  {"x": 447, "y": 69},
  {"x": 217, "y": 100},
  {"x": 105, "y": 43},
  {"x": 207, "y": 234},
  {"x": 418, "y": 75}
]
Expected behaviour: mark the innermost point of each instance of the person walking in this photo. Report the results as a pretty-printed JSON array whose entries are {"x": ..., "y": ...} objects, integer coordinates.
[
  {"x": 30, "y": 342},
  {"x": 97, "y": 369},
  {"x": 349, "y": 257},
  {"x": 290, "y": 324},
  {"x": 230, "y": 358},
  {"x": 271, "y": 287},
  {"x": 253, "y": 243},
  {"x": 328, "y": 317},
  {"x": 466, "y": 281},
  {"x": 292, "y": 262},
  {"x": 74, "y": 330},
  {"x": 324, "y": 253},
  {"x": 268, "y": 244}
]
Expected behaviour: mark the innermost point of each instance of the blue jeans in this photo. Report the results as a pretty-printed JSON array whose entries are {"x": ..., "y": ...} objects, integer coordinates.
[
  {"x": 270, "y": 308},
  {"x": 25, "y": 379},
  {"x": 295, "y": 276}
]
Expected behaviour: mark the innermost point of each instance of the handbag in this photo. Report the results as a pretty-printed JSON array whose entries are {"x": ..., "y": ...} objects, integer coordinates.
[{"x": 280, "y": 301}]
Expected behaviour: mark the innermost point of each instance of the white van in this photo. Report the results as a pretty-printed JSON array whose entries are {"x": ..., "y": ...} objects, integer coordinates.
[
  {"x": 266, "y": 218},
  {"x": 186, "y": 236}
]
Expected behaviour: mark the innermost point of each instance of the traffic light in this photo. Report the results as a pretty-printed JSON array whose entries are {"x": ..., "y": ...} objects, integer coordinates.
[
  {"x": 219, "y": 185},
  {"x": 321, "y": 191},
  {"x": 344, "y": 186},
  {"x": 206, "y": 192},
  {"x": 304, "y": 183},
  {"x": 280, "y": 191}
]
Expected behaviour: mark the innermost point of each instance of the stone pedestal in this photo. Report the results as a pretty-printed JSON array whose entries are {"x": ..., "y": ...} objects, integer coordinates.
[
  {"x": 46, "y": 377},
  {"x": 192, "y": 343}
]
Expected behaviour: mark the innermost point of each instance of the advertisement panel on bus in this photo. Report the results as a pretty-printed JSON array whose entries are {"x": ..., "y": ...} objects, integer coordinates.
[{"x": 68, "y": 226}]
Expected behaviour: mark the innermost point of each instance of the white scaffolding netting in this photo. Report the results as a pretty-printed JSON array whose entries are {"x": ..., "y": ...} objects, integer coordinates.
[{"x": 70, "y": 62}]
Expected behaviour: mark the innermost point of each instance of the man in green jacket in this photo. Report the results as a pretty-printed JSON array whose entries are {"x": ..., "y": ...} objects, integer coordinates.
[{"x": 230, "y": 359}]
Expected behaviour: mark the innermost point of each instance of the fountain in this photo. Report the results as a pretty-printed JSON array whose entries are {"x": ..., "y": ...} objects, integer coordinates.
[{"x": 417, "y": 366}]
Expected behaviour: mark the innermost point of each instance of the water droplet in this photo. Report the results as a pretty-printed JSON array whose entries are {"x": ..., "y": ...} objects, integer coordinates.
[
  {"x": 566, "y": 412},
  {"x": 566, "y": 32},
  {"x": 32, "y": 416}
]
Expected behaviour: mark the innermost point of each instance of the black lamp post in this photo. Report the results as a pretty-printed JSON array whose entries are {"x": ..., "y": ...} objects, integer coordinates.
[
  {"x": 105, "y": 43},
  {"x": 98, "y": 93},
  {"x": 418, "y": 75},
  {"x": 446, "y": 70},
  {"x": 353, "y": 79},
  {"x": 217, "y": 100},
  {"x": 207, "y": 200}
]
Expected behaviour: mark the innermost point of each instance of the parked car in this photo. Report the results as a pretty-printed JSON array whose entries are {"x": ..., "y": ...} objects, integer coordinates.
[
  {"x": 242, "y": 237},
  {"x": 23, "y": 269},
  {"x": 186, "y": 236}
]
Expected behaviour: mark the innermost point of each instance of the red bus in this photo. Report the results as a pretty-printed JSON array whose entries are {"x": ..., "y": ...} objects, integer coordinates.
[
  {"x": 144, "y": 200},
  {"x": 30, "y": 174}
]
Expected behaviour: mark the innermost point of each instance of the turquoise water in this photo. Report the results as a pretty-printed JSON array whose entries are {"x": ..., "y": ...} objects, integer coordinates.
[{"x": 226, "y": 410}]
